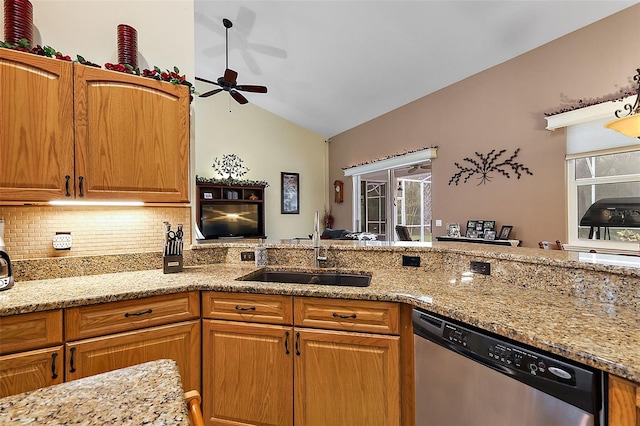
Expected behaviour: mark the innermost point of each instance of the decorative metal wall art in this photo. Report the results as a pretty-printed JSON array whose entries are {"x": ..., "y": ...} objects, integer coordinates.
[
  {"x": 230, "y": 165},
  {"x": 487, "y": 164}
]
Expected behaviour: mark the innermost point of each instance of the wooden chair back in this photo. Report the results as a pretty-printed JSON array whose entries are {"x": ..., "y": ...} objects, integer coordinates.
[
  {"x": 550, "y": 245},
  {"x": 193, "y": 399}
]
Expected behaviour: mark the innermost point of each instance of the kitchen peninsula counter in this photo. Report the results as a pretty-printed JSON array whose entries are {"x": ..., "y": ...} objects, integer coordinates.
[
  {"x": 149, "y": 393},
  {"x": 585, "y": 309}
]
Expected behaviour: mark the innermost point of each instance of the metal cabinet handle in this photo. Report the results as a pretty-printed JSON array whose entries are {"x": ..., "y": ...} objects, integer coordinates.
[
  {"x": 54, "y": 374},
  {"x": 137, "y": 314},
  {"x": 298, "y": 344},
  {"x": 66, "y": 186},
  {"x": 81, "y": 185},
  {"x": 240, "y": 308},
  {"x": 337, "y": 315},
  {"x": 72, "y": 360},
  {"x": 286, "y": 343}
]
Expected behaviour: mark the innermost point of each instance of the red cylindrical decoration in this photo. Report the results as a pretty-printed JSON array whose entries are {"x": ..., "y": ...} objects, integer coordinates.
[
  {"x": 18, "y": 21},
  {"x": 127, "y": 45}
]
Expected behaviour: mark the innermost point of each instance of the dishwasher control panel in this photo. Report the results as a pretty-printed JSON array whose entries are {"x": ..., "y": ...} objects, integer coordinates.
[{"x": 508, "y": 355}]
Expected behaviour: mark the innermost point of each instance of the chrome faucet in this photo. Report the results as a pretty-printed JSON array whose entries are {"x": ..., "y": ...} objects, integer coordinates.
[{"x": 316, "y": 242}]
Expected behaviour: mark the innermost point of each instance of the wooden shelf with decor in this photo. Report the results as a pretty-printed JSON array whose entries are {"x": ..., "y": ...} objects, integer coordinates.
[{"x": 230, "y": 211}]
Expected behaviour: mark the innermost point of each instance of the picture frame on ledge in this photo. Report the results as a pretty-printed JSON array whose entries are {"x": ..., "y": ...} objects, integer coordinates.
[
  {"x": 289, "y": 193},
  {"x": 453, "y": 230},
  {"x": 489, "y": 234},
  {"x": 504, "y": 232}
]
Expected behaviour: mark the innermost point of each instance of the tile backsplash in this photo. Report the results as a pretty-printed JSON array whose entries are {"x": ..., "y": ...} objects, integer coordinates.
[{"x": 29, "y": 230}]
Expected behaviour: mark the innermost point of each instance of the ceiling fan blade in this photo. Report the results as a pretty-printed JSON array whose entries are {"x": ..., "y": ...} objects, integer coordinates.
[
  {"x": 230, "y": 76},
  {"x": 238, "y": 97},
  {"x": 207, "y": 81},
  {"x": 251, "y": 88},
  {"x": 210, "y": 93}
]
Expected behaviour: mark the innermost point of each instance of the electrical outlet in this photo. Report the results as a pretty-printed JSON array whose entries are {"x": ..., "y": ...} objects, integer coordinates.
[
  {"x": 483, "y": 268},
  {"x": 410, "y": 260},
  {"x": 247, "y": 256},
  {"x": 62, "y": 241}
]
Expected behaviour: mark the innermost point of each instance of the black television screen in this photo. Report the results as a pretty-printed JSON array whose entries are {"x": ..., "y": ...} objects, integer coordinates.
[{"x": 220, "y": 220}]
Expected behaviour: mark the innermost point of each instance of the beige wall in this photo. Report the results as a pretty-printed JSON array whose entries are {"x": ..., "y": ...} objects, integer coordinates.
[
  {"x": 268, "y": 145},
  {"x": 501, "y": 108}
]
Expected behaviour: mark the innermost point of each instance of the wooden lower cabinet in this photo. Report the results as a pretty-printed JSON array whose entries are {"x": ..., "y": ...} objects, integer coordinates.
[
  {"x": 26, "y": 371},
  {"x": 624, "y": 402},
  {"x": 345, "y": 378},
  {"x": 180, "y": 342},
  {"x": 247, "y": 373}
]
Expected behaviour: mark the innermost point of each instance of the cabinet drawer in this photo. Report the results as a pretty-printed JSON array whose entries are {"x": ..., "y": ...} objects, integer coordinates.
[
  {"x": 349, "y": 315},
  {"x": 107, "y": 318},
  {"x": 30, "y": 331},
  {"x": 262, "y": 308}
]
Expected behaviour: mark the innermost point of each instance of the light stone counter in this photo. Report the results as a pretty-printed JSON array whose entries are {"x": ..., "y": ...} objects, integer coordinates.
[
  {"x": 585, "y": 309},
  {"x": 149, "y": 393}
]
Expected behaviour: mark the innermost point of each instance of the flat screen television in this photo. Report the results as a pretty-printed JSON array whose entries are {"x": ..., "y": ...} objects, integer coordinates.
[{"x": 230, "y": 220}]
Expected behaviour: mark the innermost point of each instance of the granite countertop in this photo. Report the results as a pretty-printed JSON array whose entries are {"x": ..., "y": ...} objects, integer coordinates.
[
  {"x": 149, "y": 393},
  {"x": 582, "y": 328}
]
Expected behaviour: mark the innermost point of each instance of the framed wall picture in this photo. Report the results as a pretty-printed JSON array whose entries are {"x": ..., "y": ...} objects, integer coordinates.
[
  {"x": 479, "y": 226},
  {"x": 504, "y": 232},
  {"x": 290, "y": 193}
]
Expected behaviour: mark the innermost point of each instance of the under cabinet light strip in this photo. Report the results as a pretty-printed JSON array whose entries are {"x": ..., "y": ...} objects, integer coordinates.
[{"x": 96, "y": 203}]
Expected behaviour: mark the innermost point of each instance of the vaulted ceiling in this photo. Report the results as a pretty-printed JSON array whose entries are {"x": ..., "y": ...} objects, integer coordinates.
[{"x": 332, "y": 65}]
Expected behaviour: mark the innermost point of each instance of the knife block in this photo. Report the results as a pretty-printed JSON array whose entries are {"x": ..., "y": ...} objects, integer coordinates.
[{"x": 171, "y": 264}]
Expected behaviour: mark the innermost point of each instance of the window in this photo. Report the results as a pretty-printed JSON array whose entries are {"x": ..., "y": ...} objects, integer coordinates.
[
  {"x": 376, "y": 202},
  {"x": 413, "y": 205},
  {"x": 592, "y": 178},
  {"x": 601, "y": 163}
]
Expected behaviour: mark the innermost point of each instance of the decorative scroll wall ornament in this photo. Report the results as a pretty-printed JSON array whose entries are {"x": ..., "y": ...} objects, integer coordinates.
[
  {"x": 487, "y": 164},
  {"x": 230, "y": 165}
]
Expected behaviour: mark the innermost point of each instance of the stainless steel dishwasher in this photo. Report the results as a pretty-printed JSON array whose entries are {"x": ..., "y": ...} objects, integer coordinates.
[{"x": 468, "y": 377}]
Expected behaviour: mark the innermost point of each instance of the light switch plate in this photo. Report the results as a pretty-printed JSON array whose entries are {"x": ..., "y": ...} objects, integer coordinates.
[{"x": 62, "y": 241}]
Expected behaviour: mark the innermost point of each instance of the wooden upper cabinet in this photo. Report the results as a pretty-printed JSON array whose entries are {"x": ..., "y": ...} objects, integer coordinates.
[
  {"x": 132, "y": 137},
  {"x": 36, "y": 122}
]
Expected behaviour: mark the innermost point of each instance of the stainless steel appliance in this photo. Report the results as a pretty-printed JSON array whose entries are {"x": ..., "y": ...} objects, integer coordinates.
[
  {"x": 6, "y": 275},
  {"x": 465, "y": 376}
]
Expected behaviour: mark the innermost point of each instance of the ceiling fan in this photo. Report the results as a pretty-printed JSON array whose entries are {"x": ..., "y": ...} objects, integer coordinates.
[{"x": 228, "y": 81}]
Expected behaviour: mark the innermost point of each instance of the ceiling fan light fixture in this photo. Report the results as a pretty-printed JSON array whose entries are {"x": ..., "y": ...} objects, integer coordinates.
[{"x": 629, "y": 123}]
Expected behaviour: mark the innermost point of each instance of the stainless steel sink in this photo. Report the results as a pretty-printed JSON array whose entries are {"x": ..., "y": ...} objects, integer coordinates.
[{"x": 321, "y": 278}]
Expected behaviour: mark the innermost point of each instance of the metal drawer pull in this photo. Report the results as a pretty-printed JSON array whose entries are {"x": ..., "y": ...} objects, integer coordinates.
[
  {"x": 286, "y": 343},
  {"x": 54, "y": 375},
  {"x": 298, "y": 344},
  {"x": 72, "y": 361},
  {"x": 66, "y": 186},
  {"x": 250, "y": 308},
  {"x": 337, "y": 315},
  {"x": 81, "y": 185},
  {"x": 137, "y": 314}
]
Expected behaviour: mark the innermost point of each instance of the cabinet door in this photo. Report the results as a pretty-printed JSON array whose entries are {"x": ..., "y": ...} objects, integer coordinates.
[
  {"x": 247, "y": 373},
  {"x": 132, "y": 137},
  {"x": 345, "y": 378},
  {"x": 36, "y": 140},
  {"x": 180, "y": 342},
  {"x": 624, "y": 402},
  {"x": 27, "y": 371}
]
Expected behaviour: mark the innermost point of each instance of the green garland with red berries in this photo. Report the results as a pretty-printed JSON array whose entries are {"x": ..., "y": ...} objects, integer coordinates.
[{"x": 156, "y": 73}]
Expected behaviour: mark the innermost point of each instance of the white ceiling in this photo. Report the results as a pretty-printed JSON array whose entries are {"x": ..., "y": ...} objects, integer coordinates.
[{"x": 332, "y": 65}]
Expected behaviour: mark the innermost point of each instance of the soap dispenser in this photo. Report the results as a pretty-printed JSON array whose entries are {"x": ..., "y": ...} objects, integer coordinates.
[{"x": 260, "y": 255}]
